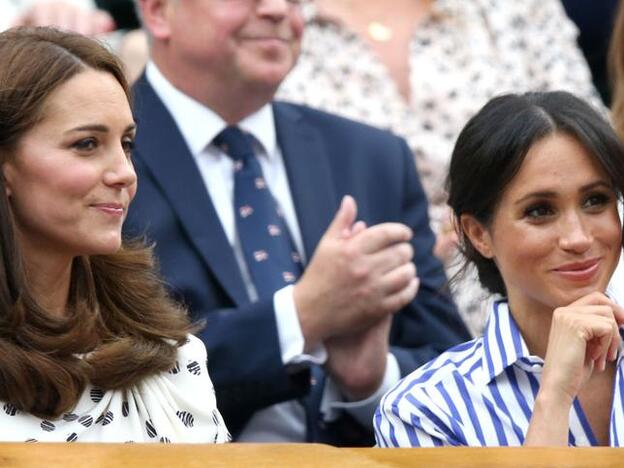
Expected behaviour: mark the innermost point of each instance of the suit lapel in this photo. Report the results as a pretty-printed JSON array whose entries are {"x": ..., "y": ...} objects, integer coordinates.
[
  {"x": 168, "y": 159},
  {"x": 309, "y": 175}
]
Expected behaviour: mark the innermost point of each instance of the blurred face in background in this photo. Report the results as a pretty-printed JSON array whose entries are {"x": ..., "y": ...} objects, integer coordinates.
[
  {"x": 71, "y": 178},
  {"x": 254, "y": 43}
]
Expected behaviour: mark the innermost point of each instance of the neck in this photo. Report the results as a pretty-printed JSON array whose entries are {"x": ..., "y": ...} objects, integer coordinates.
[
  {"x": 49, "y": 278},
  {"x": 232, "y": 100},
  {"x": 534, "y": 322}
]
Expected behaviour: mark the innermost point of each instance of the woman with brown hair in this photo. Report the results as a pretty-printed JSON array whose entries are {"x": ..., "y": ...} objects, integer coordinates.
[{"x": 91, "y": 347}]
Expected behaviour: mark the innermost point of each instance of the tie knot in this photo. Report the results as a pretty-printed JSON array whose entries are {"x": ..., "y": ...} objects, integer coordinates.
[{"x": 233, "y": 142}]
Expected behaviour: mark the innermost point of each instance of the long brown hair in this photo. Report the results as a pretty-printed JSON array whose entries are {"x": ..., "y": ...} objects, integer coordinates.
[
  {"x": 616, "y": 71},
  {"x": 120, "y": 324}
]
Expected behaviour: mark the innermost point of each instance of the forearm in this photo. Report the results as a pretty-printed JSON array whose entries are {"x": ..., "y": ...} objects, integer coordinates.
[{"x": 549, "y": 425}]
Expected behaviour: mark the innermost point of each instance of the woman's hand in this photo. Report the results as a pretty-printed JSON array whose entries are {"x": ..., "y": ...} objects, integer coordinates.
[{"x": 584, "y": 336}]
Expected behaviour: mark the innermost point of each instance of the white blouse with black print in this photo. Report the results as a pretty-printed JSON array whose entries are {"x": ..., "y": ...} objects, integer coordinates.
[{"x": 174, "y": 406}]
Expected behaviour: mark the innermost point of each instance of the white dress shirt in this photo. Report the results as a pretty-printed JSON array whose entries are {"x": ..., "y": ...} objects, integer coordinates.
[{"x": 198, "y": 126}]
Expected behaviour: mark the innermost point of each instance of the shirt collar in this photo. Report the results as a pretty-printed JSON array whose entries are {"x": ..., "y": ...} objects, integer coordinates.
[
  {"x": 503, "y": 344},
  {"x": 199, "y": 124}
]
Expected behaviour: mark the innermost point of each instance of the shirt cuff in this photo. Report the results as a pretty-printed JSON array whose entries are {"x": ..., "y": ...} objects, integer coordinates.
[
  {"x": 363, "y": 410},
  {"x": 289, "y": 331}
]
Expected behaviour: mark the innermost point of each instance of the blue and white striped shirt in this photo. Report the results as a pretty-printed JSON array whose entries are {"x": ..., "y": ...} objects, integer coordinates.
[{"x": 481, "y": 393}]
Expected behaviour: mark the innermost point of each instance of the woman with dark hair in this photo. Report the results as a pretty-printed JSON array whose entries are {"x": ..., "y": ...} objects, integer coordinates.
[
  {"x": 534, "y": 184},
  {"x": 91, "y": 346}
]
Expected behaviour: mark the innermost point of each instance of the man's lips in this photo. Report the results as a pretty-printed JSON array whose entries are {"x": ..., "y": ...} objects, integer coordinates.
[{"x": 579, "y": 271}]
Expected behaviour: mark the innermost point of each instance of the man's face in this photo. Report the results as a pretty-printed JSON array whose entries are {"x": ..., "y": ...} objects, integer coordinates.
[{"x": 249, "y": 42}]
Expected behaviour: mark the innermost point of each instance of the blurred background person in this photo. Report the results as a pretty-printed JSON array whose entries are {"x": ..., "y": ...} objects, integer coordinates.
[
  {"x": 595, "y": 23},
  {"x": 616, "y": 72},
  {"x": 81, "y": 16},
  {"x": 422, "y": 68},
  {"x": 91, "y": 347}
]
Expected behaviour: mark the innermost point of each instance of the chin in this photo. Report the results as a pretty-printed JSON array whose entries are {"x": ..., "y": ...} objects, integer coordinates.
[{"x": 107, "y": 247}]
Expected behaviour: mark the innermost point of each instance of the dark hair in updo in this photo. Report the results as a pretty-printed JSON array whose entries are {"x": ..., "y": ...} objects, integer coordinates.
[{"x": 493, "y": 144}]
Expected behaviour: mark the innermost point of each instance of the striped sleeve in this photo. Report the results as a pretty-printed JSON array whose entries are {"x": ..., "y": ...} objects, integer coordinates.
[{"x": 408, "y": 417}]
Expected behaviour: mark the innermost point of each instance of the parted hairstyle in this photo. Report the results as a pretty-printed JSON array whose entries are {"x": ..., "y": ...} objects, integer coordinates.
[
  {"x": 120, "y": 325},
  {"x": 493, "y": 144}
]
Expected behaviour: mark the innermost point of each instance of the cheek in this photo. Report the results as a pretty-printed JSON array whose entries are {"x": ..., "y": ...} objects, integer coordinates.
[
  {"x": 297, "y": 25},
  {"x": 521, "y": 248}
]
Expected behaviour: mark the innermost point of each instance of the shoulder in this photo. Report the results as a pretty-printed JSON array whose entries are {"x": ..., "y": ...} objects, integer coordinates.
[
  {"x": 334, "y": 124},
  {"x": 509, "y": 18},
  {"x": 192, "y": 348},
  {"x": 462, "y": 363}
]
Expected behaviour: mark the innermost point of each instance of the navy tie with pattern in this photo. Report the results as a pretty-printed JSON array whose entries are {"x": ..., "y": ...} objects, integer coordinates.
[{"x": 270, "y": 255}]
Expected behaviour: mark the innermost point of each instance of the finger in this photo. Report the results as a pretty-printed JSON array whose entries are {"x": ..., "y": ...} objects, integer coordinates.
[
  {"x": 400, "y": 299},
  {"x": 81, "y": 21},
  {"x": 614, "y": 345},
  {"x": 391, "y": 257},
  {"x": 380, "y": 236},
  {"x": 397, "y": 279},
  {"x": 618, "y": 312},
  {"x": 102, "y": 22},
  {"x": 343, "y": 219},
  {"x": 358, "y": 227},
  {"x": 599, "y": 334},
  {"x": 604, "y": 311},
  {"x": 595, "y": 298}
]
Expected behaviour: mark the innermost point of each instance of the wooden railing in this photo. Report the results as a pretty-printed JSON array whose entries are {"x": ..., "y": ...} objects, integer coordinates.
[{"x": 295, "y": 456}]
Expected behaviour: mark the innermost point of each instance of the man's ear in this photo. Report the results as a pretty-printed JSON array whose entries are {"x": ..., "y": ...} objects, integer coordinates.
[
  {"x": 155, "y": 15},
  {"x": 477, "y": 234}
]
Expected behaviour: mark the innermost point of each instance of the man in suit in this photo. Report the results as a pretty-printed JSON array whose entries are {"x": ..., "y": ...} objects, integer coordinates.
[{"x": 309, "y": 360}]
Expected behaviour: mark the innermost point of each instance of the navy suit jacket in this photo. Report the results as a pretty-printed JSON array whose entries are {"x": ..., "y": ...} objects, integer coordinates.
[{"x": 326, "y": 157}]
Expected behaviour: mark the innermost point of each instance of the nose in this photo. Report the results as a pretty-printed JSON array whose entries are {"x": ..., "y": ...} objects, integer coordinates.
[
  {"x": 575, "y": 235},
  {"x": 273, "y": 9},
  {"x": 120, "y": 171}
]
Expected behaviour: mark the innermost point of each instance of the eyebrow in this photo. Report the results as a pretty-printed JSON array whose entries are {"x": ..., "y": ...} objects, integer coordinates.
[
  {"x": 99, "y": 128},
  {"x": 551, "y": 194}
]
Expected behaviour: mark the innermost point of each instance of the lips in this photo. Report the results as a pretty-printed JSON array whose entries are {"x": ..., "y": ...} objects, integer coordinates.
[
  {"x": 115, "y": 209},
  {"x": 579, "y": 271}
]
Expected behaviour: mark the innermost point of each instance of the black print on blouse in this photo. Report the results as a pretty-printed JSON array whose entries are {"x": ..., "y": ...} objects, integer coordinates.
[
  {"x": 96, "y": 395},
  {"x": 99, "y": 419},
  {"x": 30, "y": 441},
  {"x": 73, "y": 437},
  {"x": 193, "y": 368},
  {"x": 186, "y": 418},
  {"x": 215, "y": 418},
  {"x": 175, "y": 369},
  {"x": 69, "y": 417},
  {"x": 125, "y": 409},
  {"x": 165, "y": 440},
  {"x": 86, "y": 420},
  {"x": 47, "y": 426},
  {"x": 10, "y": 409},
  {"x": 108, "y": 418},
  {"x": 151, "y": 430}
]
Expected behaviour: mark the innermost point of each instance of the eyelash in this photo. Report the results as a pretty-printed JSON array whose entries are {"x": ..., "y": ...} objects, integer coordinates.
[
  {"x": 86, "y": 145},
  {"x": 81, "y": 145},
  {"x": 128, "y": 145},
  {"x": 541, "y": 210}
]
